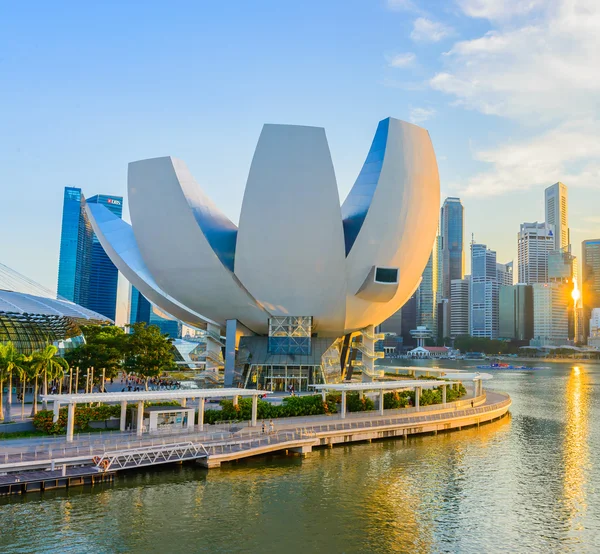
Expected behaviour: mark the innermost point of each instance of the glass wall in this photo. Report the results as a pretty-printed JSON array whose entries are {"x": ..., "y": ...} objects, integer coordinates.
[{"x": 279, "y": 378}]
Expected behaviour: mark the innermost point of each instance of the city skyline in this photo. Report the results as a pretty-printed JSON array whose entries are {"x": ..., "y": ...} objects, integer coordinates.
[{"x": 511, "y": 146}]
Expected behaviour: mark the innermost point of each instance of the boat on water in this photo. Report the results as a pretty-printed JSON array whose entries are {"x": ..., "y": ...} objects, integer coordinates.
[{"x": 508, "y": 366}]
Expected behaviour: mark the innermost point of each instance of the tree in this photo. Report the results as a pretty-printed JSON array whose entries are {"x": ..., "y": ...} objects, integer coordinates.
[
  {"x": 148, "y": 352},
  {"x": 104, "y": 349},
  {"x": 51, "y": 366},
  {"x": 11, "y": 360}
]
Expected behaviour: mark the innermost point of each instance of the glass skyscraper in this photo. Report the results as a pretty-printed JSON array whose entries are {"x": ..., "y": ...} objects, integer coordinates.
[
  {"x": 74, "y": 265},
  {"x": 484, "y": 293},
  {"x": 590, "y": 265},
  {"x": 142, "y": 310},
  {"x": 104, "y": 275},
  {"x": 85, "y": 273},
  {"x": 452, "y": 238}
]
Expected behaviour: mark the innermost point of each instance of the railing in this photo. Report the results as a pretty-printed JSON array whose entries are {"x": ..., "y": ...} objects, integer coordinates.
[
  {"x": 374, "y": 336},
  {"x": 368, "y": 352},
  {"x": 214, "y": 337}
]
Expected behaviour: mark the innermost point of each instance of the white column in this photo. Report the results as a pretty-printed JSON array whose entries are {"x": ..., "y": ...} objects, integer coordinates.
[
  {"x": 123, "y": 415},
  {"x": 324, "y": 395},
  {"x": 70, "y": 422},
  {"x": 254, "y": 409},
  {"x": 139, "y": 428},
  {"x": 190, "y": 420},
  {"x": 343, "y": 415},
  {"x": 417, "y": 397},
  {"x": 184, "y": 402},
  {"x": 444, "y": 395},
  {"x": 201, "y": 414},
  {"x": 235, "y": 400},
  {"x": 381, "y": 402},
  {"x": 55, "y": 409}
]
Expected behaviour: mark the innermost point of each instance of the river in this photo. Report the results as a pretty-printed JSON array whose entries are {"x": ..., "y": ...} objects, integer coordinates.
[{"x": 526, "y": 483}]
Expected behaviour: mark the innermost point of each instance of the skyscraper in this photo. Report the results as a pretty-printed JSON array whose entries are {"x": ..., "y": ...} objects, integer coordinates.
[
  {"x": 141, "y": 310},
  {"x": 535, "y": 240},
  {"x": 515, "y": 308},
  {"x": 452, "y": 259},
  {"x": 556, "y": 204},
  {"x": 484, "y": 293},
  {"x": 427, "y": 293},
  {"x": 590, "y": 289},
  {"x": 504, "y": 274},
  {"x": 75, "y": 249},
  {"x": 104, "y": 275},
  {"x": 459, "y": 306},
  {"x": 85, "y": 273},
  {"x": 550, "y": 314}
]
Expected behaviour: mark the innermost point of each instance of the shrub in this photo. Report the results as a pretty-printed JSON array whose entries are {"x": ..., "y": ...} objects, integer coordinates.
[{"x": 42, "y": 421}]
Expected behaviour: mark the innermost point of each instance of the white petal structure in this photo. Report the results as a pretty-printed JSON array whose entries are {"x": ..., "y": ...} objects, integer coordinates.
[{"x": 296, "y": 252}]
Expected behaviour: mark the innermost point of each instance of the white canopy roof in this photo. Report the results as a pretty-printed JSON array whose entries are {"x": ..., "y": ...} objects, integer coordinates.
[
  {"x": 150, "y": 395},
  {"x": 469, "y": 376},
  {"x": 440, "y": 370},
  {"x": 382, "y": 385}
]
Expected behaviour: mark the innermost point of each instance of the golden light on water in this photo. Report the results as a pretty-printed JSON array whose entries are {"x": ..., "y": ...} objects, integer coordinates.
[{"x": 576, "y": 449}]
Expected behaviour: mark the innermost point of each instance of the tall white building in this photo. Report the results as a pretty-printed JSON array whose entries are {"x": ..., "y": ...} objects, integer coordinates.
[
  {"x": 427, "y": 293},
  {"x": 594, "y": 338},
  {"x": 535, "y": 240},
  {"x": 556, "y": 203},
  {"x": 483, "y": 321},
  {"x": 504, "y": 274},
  {"x": 550, "y": 314},
  {"x": 459, "y": 306}
]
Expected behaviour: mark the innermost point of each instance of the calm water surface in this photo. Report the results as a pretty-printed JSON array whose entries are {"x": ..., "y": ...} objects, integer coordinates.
[{"x": 527, "y": 483}]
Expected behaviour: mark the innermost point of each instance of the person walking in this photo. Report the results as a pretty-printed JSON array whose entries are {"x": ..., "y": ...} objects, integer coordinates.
[
  {"x": 263, "y": 427},
  {"x": 271, "y": 427}
]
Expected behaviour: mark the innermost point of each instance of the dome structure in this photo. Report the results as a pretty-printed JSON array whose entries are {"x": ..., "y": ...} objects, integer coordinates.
[{"x": 297, "y": 251}]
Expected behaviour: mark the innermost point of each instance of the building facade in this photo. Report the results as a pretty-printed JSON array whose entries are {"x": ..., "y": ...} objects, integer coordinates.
[
  {"x": 535, "y": 242},
  {"x": 593, "y": 338},
  {"x": 504, "y": 274},
  {"x": 590, "y": 285},
  {"x": 141, "y": 310},
  {"x": 452, "y": 259},
  {"x": 427, "y": 293},
  {"x": 483, "y": 321},
  {"x": 550, "y": 314},
  {"x": 74, "y": 264},
  {"x": 86, "y": 274},
  {"x": 515, "y": 308},
  {"x": 557, "y": 209},
  {"x": 459, "y": 306}
]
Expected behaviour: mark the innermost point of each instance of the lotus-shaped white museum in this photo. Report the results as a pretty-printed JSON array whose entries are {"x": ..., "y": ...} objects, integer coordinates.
[{"x": 299, "y": 265}]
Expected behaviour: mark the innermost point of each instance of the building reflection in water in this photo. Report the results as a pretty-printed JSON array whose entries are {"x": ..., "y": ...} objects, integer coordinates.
[{"x": 576, "y": 450}]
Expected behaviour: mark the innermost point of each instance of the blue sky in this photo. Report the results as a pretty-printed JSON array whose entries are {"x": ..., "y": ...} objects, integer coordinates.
[{"x": 509, "y": 91}]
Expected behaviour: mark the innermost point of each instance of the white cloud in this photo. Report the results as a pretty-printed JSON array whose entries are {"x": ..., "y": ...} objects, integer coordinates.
[
  {"x": 544, "y": 73},
  {"x": 419, "y": 115},
  {"x": 426, "y": 30},
  {"x": 569, "y": 153},
  {"x": 498, "y": 9},
  {"x": 401, "y": 60}
]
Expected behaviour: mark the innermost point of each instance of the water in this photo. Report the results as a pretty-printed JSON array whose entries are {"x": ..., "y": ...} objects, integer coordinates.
[{"x": 527, "y": 483}]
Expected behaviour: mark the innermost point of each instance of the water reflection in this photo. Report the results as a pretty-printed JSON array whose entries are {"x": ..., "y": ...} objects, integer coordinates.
[{"x": 575, "y": 445}]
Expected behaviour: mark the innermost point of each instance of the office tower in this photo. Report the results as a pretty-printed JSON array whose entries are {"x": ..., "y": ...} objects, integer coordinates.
[
  {"x": 459, "y": 306},
  {"x": 142, "y": 310},
  {"x": 593, "y": 338},
  {"x": 590, "y": 286},
  {"x": 483, "y": 321},
  {"x": 452, "y": 259},
  {"x": 104, "y": 275},
  {"x": 515, "y": 308},
  {"x": 409, "y": 320},
  {"x": 427, "y": 293},
  {"x": 562, "y": 268},
  {"x": 393, "y": 324},
  {"x": 535, "y": 240},
  {"x": 443, "y": 319},
  {"x": 557, "y": 214},
  {"x": 504, "y": 274},
  {"x": 74, "y": 265},
  {"x": 550, "y": 314}
]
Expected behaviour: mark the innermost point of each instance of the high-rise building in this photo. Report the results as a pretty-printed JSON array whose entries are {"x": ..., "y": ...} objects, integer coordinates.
[
  {"x": 452, "y": 259},
  {"x": 459, "y": 306},
  {"x": 104, "y": 275},
  {"x": 590, "y": 286},
  {"x": 562, "y": 268},
  {"x": 515, "y": 307},
  {"x": 535, "y": 240},
  {"x": 142, "y": 310},
  {"x": 427, "y": 293},
  {"x": 85, "y": 273},
  {"x": 556, "y": 204},
  {"x": 74, "y": 264},
  {"x": 409, "y": 320},
  {"x": 593, "y": 338},
  {"x": 483, "y": 321},
  {"x": 393, "y": 324},
  {"x": 504, "y": 274},
  {"x": 550, "y": 314}
]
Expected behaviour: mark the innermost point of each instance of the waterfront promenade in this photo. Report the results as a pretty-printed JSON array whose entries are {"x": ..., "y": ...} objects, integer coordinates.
[{"x": 109, "y": 452}]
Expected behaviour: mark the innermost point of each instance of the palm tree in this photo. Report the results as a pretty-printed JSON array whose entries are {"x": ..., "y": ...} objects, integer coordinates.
[
  {"x": 36, "y": 366},
  {"x": 10, "y": 360},
  {"x": 24, "y": 369},
  {"x": 54, "y": 367}
]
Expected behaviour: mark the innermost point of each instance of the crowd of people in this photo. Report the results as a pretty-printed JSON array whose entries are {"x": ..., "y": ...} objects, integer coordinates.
[{"x": 135, "y": 383}]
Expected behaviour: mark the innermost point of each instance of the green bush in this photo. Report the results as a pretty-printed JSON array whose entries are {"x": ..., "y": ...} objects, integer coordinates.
[
  {"x": 356, "y": 404},
  {"x": 42, "y": 421}
]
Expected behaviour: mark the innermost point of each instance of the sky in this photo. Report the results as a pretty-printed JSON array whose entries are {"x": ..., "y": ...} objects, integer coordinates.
[{"x": 509, "y": 91}]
